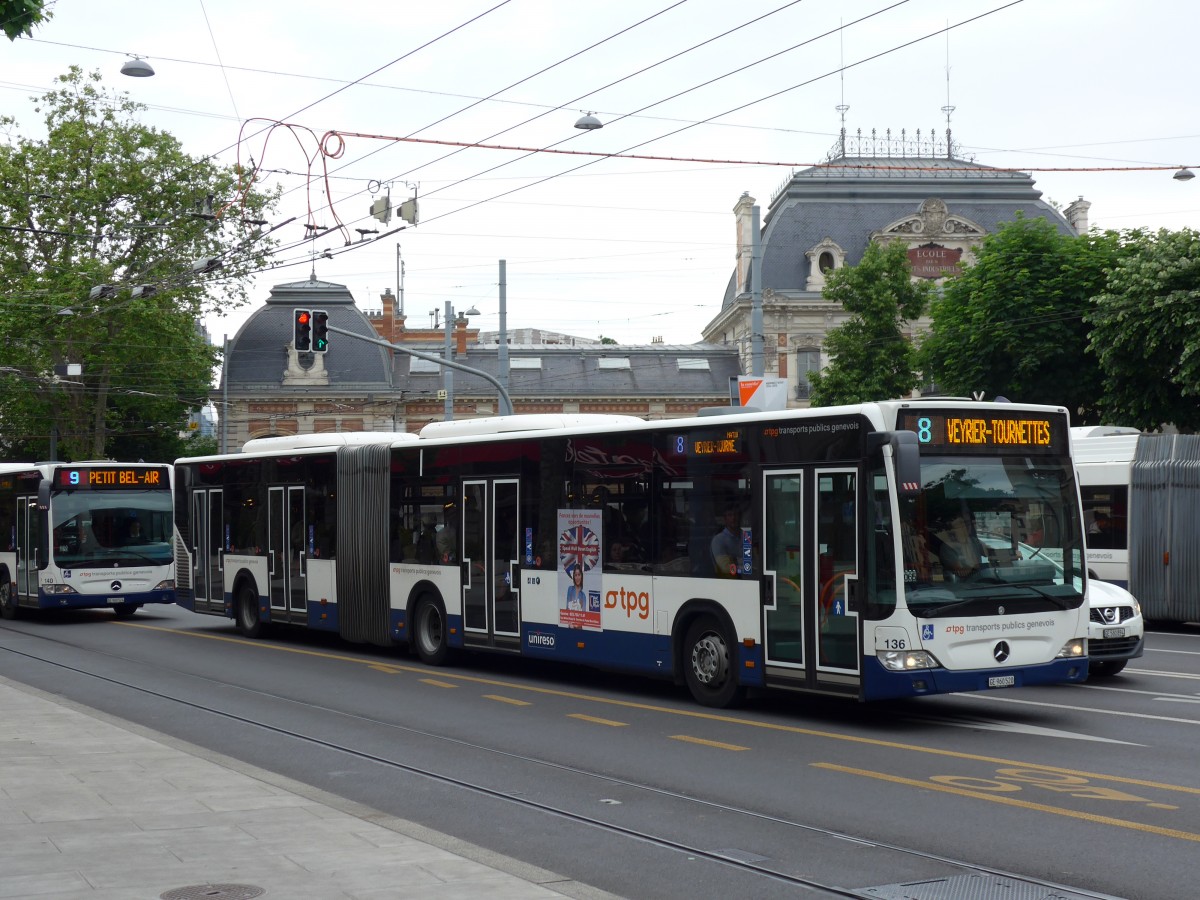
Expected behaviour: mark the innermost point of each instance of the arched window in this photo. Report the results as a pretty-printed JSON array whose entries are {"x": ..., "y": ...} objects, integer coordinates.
[{"x": 826, "y": 262}]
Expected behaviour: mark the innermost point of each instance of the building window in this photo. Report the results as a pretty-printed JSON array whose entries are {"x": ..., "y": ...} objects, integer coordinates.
[
  {"x": 808, "y": 360},
  {"x": 826, "y": 262}
]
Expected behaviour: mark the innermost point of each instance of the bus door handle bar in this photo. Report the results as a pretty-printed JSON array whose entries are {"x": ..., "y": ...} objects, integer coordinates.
[
  {"x": 270, "y": 562},
  {"x": 303, "y": 564}
]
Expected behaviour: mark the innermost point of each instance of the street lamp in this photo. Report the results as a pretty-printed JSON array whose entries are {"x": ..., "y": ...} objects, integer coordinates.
[
  {"x": 137, "y": 68},
  {"x": 1184, "y": 174},
  {"x": 588, "y": 122}
]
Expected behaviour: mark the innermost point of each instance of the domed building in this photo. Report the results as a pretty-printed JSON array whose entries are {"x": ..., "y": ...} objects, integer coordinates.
[
  {"x": 920, "y": 191},
  {"x": 268, "y": 388}
]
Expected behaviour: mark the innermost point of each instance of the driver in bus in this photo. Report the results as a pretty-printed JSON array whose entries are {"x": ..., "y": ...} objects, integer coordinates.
[{"x": 960, "y": 552}]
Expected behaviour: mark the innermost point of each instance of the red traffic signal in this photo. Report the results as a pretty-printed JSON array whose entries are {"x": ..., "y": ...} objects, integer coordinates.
[{"x": 302, "y": 336}]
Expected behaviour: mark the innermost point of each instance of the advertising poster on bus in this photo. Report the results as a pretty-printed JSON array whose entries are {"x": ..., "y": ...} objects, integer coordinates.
[{"x": 579, "y": 534}]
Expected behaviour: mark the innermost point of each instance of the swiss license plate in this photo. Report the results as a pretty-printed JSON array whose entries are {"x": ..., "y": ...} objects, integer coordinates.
[
  {"x": 1002, "y": 681},
  {"x": 1114, "y": 632}
]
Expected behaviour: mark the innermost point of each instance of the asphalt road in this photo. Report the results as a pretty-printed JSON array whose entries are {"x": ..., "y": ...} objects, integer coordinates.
[{"x": 626, "y": 785}]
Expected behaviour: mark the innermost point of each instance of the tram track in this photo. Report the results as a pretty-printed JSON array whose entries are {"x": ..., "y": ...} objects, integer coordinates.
[{"x": 662, "y": 841}]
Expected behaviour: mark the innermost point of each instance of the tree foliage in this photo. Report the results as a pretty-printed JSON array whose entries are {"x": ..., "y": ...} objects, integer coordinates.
[
  {"x": 19, "y": 16},
  {"x": 1013, "y": 324},
  {"x": 1146, "y": 332},
  {"x": 871, "y": 359},
  {"x": 104, "y": 202}
]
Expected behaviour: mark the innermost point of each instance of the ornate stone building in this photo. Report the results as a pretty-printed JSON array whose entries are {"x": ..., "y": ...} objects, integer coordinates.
[{"x": 919, "y": 192}]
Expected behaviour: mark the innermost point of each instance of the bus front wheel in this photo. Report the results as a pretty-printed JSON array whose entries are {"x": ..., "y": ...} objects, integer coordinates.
[
  {"x": 126, "y": 610},
  {"x": 431, "y": 637},
  {"x": 249, "y": 622},
  {"x": 8, "y": 600},
  {"x": 708, "y": 664}
]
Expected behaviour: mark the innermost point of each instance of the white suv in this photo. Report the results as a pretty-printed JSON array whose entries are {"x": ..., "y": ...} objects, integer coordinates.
[{"x": 1115, "y": 628}]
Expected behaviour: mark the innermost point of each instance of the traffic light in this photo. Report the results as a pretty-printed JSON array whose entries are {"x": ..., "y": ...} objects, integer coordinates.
[
  {"x": 303, "y": 334},
  {"x": 320, "y": 335}
]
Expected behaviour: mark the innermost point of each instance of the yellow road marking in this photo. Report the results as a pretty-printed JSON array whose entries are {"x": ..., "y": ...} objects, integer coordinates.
[
  {"x": 510, "y": 700},
  {"x": 435, "y": 683},
  {"x": 1012, "y": 801},
  {"x": 703, "y": 742},
  {"x": 597, "y": 721},
  {"x": 684, "y": 713}
]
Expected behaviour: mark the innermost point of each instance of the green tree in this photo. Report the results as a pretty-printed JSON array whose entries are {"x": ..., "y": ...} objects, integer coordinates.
[
  {"x": 19, "y": 16},
  {"x": 871, "y": 357},
  {"x": 1146, "y": 332},
  {"x": 1013, "y": 323},
  {"x": 110, "y": 256}
]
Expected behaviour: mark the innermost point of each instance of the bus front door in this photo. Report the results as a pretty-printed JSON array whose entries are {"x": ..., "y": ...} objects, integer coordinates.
[
  {"x": 288, "y": 560},
  {"x": 27, "y": 570},
  {"x": 490, "y": 531},
  {"x": 811, "y": 627},
  {"x": 208, "y": 545}
]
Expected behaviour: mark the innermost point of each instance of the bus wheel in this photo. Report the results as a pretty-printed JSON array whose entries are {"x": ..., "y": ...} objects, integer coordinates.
[
  {"x": 248, "y": 621},
  {"x": 8, "y": 600},
  {"x": 708, "y": 665},
  {"x": 431, "y": 635},
  {"x": 126, "y": 610}
]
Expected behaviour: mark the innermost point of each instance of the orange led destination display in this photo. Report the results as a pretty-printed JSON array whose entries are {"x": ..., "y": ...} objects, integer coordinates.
[
  {"x": 972, "y": 431},
  {"x": 110, "y": 477}
]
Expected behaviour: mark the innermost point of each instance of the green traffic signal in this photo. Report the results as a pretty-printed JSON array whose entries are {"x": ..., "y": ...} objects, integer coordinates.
[{"x": 320, "y": 336}]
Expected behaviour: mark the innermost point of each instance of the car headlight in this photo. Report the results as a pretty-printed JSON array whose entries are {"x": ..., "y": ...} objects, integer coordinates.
[
  {"x": 906, "y": 660},
  {"x": 1073, "y": 649}
]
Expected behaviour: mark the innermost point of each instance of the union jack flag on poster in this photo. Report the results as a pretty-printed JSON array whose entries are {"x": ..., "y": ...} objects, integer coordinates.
[{"x": 578, "y": 545}]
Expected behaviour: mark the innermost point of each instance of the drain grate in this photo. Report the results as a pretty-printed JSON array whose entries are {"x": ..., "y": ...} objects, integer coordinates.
[
  {"x": 213, "y": 892},
  {"x": 972, "y": 887}
]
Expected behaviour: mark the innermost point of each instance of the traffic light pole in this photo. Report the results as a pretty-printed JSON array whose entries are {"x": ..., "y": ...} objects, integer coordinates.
[{"x": 506, "y": 407}]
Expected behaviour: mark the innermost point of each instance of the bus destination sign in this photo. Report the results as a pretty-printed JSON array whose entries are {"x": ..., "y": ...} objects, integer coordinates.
[
  {"x": 968, "y": 431},
  {"x": 110, "y": 477},
  {"x": 722, "y": 443}
]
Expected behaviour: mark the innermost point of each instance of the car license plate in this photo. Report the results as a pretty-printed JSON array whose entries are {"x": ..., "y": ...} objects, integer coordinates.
[
  {"x": 1114, "y": 632},
  {"x": 1002, "y": 681}
]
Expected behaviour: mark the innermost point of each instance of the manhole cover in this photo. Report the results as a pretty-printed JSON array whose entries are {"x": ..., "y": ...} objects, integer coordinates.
[{"x": 214, "y": 892}]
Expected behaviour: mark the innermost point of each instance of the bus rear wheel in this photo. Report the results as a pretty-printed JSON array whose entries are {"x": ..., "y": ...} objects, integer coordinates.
[
  {"x": 708, "y": 665},
  {"x": 249, "y": 623},
  {"x": 429, "y": 632},
  {"x": 126, "y": 610},
  {"x": 8, "y": 600}
]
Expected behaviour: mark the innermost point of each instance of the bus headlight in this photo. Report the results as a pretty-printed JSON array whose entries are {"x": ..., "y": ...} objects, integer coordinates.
[
  {"x": 906, "y": 660},
  {"x": 58, "y": 589},
  {"x": 1074, "y": 649},
  {"x": 167, "y": 584}
]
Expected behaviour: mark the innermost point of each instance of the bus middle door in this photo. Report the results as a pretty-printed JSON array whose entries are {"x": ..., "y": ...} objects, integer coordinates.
[
  {"x": 491, "y": 541},
  {"x": 288, "y": 559}
]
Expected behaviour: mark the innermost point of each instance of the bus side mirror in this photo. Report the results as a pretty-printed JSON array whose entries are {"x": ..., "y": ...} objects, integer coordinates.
[{"x": 906, "y": 456}]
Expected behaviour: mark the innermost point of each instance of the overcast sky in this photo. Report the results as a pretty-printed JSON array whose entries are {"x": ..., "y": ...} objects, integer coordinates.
[{"x": 723, "y": 97}]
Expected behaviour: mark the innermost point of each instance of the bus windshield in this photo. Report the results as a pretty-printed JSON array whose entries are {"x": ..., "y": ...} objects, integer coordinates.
[
  {"x": 988, "y": 529},
  {"x": 122, "y": 527}
]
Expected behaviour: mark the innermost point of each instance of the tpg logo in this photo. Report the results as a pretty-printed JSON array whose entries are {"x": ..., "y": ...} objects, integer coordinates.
[{"x": 631, "y": 601}]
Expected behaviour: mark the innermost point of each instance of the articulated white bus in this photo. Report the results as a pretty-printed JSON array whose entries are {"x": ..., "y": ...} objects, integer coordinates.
[{"x": 869, "y": 551}]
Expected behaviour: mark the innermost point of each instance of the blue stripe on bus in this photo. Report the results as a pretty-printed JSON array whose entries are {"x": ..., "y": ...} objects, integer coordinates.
[
  {"x": 879, "y": 683},
  {"x": 100, "y": 601}
]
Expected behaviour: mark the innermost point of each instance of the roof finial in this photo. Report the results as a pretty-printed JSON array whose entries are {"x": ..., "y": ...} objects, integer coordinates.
[{"x": 948, "y": 109}]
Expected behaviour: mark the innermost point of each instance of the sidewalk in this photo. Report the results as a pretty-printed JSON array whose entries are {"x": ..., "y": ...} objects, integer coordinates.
[{"x": 95, "y": 808}]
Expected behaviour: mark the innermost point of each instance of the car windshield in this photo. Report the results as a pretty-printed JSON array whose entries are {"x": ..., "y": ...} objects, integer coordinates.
[{"x": 987, "y": 529}]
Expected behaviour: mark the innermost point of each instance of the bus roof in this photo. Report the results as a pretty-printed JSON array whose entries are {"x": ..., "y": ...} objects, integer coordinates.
[{"x": 324, "y": 439}]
